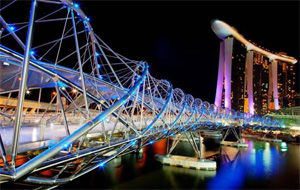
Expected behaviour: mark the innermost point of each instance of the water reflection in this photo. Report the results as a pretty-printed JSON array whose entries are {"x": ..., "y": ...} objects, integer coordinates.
[
  {"x": 263, "y": 165},
  {"x": 229, "y": 176}
]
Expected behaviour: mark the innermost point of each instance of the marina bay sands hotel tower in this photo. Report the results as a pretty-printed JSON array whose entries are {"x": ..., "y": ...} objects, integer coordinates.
[{"x": 252, "y": 79}]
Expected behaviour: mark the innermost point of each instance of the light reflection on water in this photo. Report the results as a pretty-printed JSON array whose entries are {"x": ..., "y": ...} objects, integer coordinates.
[{"x": 263, "y": 165}]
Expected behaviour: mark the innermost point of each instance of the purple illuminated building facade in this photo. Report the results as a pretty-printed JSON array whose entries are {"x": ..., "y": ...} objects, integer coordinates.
[{"x": 252, "y": 79}]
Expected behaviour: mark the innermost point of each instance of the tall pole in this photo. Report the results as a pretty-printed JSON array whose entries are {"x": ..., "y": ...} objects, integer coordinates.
[
  {"x": 228, "y": 64},
  {"x": 22, "y": 86},
  {"x": 80, "y": 64},
  {"x": 219, "y": 90}
]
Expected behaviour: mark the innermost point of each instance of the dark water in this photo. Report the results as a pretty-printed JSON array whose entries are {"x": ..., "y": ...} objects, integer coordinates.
[{"x": 263, "y": 165}]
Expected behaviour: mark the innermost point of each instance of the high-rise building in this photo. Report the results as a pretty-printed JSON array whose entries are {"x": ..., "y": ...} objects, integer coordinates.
[{"x": 250, "y": 78}]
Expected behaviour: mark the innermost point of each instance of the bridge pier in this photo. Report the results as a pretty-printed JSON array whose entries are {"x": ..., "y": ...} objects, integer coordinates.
[
  {"x": 197, "y": 162},
  {"x": 273, "y": 138},
  {"x": 237, "y": 134}
]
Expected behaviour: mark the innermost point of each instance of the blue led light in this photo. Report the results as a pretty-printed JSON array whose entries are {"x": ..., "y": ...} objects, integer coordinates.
[
  {"x": 65, "y": 146},
  {"x": 87, "y": 18},
  {"x": 102, "y": 164},
  {"x": 151, "y": 142},
  {"x": 97, "y": 54},
  {"x": 85, "y": 24},
  {"x": 76, "y": 5},
  {"x": 99, "y": 66},
  {"x": 11, "y": 28},
  {"x": 32, "y": 52},
  {"x": 133, "y": 143}
]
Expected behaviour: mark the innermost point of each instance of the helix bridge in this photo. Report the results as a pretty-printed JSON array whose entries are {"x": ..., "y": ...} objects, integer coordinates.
[{"x": 70, "y": 104}]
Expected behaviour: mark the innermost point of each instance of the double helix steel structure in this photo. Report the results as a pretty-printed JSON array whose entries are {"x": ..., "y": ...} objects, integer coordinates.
[{"x": 70, "y": 104}]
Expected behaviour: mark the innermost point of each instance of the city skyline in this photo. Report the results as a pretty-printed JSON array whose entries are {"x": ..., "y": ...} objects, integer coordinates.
[{"x": 174, "y": 39}]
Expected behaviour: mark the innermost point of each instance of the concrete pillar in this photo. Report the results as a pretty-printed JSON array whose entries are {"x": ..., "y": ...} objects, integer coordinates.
[
  {"x": 249, "y": 79},
  {"x": 219, "y": 90},
  {"x": 228, "y": 64},
  {"x": 274, "y": 83}
]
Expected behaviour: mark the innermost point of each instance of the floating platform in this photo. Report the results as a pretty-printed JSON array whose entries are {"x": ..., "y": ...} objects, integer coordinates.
[
  {"x": 184, "y": 139},
  {"x": 187, "y": 162},
  {"x": 211, "y": 134},
  {"x": 250, "y": 135},
  {"x": 269, "y": 139},
  {"x": 234, "y": 144}
]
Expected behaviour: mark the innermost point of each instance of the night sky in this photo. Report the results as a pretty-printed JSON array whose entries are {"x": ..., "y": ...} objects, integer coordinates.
[{"x": 176, "y": 39}]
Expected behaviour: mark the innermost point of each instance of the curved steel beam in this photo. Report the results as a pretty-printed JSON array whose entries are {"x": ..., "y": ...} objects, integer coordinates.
[{"x": 36, "y": 161}]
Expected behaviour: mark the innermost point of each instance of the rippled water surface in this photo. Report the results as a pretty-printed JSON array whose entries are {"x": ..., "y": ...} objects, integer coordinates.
[{"x": 263, "y": 165}]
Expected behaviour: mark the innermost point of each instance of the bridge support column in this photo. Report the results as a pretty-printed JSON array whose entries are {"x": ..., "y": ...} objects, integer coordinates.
[
  {"x": 197, "y": 162},
  {"x": 238, "y": 143}
]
